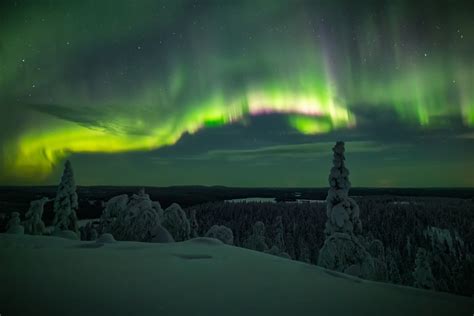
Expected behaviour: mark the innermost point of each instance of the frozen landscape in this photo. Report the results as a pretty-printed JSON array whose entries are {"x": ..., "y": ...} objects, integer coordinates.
[
  {"x": 236, "y": 157},
  {"x": 139, "y": 258},
  {"x": 53, "y": 276}
]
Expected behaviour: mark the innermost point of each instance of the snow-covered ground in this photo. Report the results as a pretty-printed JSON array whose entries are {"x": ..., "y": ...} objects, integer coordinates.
[{"x": 54, "y": 276}]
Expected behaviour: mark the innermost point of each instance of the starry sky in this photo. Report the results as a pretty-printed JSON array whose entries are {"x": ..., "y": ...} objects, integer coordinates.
[{"x": 237, "y": 93}]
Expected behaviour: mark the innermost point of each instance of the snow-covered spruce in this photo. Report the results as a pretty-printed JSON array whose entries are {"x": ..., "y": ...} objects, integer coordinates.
[
  {"x": 65, "y": 203},
  {"x": 256, "y": 240},
  {"x": 222, "y": 233},
  {"x": 422, "y": 275},
  {"x": 342, "y": 251},
  {"x": 342, "y": 211},
  {"x": 34, "y": 224},
  {"x": 279, "y": 229}
]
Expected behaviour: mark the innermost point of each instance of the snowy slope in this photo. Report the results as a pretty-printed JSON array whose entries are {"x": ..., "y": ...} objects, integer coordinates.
[{"x": 53, "y": 276}]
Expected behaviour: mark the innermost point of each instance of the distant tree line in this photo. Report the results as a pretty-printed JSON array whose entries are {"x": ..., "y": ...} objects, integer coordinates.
[{"x": 444, "y": 228}]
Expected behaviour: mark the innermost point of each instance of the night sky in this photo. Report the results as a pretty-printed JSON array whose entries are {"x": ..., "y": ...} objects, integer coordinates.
[{"x": 237, "y": 93}]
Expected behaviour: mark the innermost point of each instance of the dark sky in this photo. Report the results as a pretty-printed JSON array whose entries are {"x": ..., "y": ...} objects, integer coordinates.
[{"x": 237, "y": 93}]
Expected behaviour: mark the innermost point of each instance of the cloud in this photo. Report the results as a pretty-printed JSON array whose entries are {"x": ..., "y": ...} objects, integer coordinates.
[{"x": 288, "y": 151}]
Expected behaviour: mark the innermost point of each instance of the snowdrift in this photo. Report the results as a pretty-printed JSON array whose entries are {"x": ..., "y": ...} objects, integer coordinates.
[{"x": 53, "y": 276}]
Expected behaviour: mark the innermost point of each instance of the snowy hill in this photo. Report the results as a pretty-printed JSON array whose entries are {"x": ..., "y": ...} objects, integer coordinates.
[{"x": 54, "y": 276}]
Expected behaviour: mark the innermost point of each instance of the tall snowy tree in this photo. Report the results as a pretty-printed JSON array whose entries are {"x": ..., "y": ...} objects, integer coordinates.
[
  {"x": 342, "y": 211},
  {"x": 422, "y": 274},
  {"x": 34, "y": 224},
  {"x": 65, "y": 203},
  {"x": 342, "y": 250}
]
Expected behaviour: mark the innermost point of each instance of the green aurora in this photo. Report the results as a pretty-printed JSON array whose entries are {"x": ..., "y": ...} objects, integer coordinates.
[{"x": 112, "y": 77}]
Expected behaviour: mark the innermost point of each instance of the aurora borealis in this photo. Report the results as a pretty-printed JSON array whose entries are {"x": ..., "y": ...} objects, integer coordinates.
[{"x": 242, "y": 93}]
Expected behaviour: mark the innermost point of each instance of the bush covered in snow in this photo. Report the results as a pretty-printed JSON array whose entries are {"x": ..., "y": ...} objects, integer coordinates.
[
  {"x": 222, "y": 233},
  {"x": 106, "y": 239},
  {"x": 161, "y": 235}
]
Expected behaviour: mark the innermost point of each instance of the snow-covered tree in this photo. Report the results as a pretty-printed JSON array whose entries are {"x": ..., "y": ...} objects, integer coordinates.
[
  {"x": 279, "y": 240},
  {"x": 89, "y": 232},
  {"x": 256, "y": 240},
  {"x": 135, "y": 219},
  {"x": 14, "y": 224},
  {"x": 65, "y": 203},
  {"x": 34, "y": 224},
  {"x": 221, "y": 232},
  {"x": 304, "y": 253},
  {"x": 342, "y": 250},
  {"x": 376, "y": 250},
  {"x": 157, "y": 206},
  {"x": 176, "y": 222},
  {"x": 342, "y": 211},
  {"x": 445, "y": 241},
  {"x": 408, "y": 247},
  {"x": 194, "y": 226},
  {"x": 113, "y": 207},
  {"x": 422, "y": 274},
  {"x": 393, "y": 272}
]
